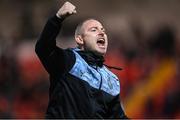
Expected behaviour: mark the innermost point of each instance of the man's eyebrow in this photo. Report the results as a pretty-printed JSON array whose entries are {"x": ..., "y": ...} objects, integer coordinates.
[{"x": 102, "y": 28}]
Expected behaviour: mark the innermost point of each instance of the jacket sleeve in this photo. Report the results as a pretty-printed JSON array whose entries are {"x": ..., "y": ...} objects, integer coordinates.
[{"x": 53, "y": 58}]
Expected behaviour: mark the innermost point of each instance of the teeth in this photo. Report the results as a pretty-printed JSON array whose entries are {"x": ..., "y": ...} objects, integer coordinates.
[{"x": 101, "y": 39}]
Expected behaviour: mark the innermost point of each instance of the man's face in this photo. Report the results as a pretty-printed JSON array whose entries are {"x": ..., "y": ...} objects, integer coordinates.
[{"x": 94, "y": 37}]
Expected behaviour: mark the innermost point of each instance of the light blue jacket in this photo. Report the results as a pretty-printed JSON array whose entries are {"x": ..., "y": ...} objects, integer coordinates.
[{"x": 99, "y": 78}]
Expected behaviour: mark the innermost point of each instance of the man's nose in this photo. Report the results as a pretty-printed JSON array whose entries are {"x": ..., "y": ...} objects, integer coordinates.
[{"x": 101, "y": 33}]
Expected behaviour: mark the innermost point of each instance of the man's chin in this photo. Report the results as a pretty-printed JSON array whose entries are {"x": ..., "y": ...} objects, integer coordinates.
[{"x": 100, "y": 52}]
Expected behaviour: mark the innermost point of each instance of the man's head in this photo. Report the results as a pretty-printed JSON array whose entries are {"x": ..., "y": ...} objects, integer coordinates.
[{"x": 90, "y": 36}]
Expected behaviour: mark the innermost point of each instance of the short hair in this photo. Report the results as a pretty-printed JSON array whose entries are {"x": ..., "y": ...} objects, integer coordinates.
[{"x": 78, "y": 30}]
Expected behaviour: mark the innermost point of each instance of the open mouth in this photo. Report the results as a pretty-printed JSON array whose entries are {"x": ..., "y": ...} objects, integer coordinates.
[{"x": 101, "y": 42}]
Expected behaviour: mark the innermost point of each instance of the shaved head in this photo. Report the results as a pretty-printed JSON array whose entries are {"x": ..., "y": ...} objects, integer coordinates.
[
  {"x": 90, "y": 35},
  {"x": 79, "y": 28}
]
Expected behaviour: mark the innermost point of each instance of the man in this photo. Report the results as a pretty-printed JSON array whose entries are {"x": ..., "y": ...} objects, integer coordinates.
[{"x": 80, "y": 85}]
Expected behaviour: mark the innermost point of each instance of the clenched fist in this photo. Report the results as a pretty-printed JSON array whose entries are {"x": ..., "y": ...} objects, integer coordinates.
[{"x": 66, "y": 10}]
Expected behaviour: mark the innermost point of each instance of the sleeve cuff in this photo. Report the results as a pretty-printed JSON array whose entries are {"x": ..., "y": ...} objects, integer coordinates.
[{"x": 56, "y": 20}]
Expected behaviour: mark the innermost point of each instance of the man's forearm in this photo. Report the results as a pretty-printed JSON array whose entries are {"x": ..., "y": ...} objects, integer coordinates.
[{"x": 47, "y": 40}]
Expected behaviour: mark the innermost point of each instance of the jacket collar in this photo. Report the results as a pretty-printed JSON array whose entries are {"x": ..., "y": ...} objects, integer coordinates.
[{"x": 91, "y": 58}]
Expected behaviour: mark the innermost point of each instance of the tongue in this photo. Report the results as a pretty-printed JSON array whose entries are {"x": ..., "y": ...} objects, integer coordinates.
[{"x": 100, "y": 44}]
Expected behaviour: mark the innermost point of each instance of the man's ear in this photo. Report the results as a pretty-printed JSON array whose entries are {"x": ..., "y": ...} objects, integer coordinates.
[{"x": 79, "y": 40}]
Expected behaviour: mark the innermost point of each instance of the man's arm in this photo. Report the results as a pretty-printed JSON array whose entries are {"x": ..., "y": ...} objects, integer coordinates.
[{"x": 52, "y": 57}]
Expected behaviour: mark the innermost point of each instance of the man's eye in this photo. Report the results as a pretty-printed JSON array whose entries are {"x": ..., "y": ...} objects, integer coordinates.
[
  {"x": 103, "y": 30},
  {"x": 93, "y": 30}
]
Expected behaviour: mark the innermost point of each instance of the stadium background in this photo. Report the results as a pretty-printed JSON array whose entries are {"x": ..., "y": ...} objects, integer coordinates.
[{"x": 144, "y": 39}]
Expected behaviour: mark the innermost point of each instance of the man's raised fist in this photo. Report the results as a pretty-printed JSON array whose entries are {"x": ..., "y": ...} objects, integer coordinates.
[{"x": 66, "y": 10}]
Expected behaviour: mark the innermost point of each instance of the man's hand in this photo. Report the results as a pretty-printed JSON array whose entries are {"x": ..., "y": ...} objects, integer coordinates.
[{"x": 66, "y": 10}]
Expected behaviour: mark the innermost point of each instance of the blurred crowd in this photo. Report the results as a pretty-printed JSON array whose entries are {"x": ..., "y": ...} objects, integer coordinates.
[{"x": 149, "y": 80}]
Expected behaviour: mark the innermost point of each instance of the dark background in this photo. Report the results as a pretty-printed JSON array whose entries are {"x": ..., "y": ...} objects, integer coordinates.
[{"x": 144, "y": 39}]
